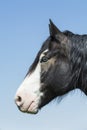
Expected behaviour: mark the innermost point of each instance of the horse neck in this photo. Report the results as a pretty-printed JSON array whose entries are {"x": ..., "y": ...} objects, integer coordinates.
[{"x": 79, "y": 66}]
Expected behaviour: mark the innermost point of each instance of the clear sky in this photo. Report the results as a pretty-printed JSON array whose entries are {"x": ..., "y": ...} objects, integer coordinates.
[{"x": 23, "y": 28}]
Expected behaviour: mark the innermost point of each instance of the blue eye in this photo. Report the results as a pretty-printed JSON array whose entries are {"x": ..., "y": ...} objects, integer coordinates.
[{"x": 44, "y": 59}]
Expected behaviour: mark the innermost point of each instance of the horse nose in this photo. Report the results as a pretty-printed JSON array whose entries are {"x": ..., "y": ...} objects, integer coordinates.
[{"x": 18, "y": 100}]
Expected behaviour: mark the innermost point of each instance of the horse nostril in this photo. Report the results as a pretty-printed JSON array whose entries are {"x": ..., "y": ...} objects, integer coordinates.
[{"x": 18, "y": 100}]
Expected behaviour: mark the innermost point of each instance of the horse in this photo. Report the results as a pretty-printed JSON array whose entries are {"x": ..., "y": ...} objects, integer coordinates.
[{"x": 59, "y": 67}]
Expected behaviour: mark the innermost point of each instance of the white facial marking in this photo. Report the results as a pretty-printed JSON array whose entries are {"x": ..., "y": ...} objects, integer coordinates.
[
  {"x": 32, "y": 81},
  {"x": 29, "y": 91},
  {"x": 43, "y": 54}
]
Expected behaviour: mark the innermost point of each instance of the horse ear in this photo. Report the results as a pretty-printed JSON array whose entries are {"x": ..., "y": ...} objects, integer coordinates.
[
  {"x": 55, "y": 32},
  {"x": 53, "y": 29}
]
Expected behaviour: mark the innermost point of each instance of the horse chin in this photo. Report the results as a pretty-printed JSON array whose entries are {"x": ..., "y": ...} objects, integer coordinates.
[
  {"x": 33, "y": 112},
  {"x": 29, "y": 111}
]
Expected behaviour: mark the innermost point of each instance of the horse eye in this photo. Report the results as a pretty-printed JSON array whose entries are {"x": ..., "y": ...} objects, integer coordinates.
[{"x": 44, "y": 59}]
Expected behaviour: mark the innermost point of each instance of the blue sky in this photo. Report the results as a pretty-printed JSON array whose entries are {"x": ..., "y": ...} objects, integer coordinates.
[{"x": 23, "y": 28}]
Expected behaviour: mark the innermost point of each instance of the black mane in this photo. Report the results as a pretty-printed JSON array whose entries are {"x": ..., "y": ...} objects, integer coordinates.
[{"x": 78, "y": 60}]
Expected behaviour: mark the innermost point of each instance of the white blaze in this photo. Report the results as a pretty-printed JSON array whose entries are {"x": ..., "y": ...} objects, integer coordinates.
[
  {"x": 32, "y": 82},
  {"x": 29, "y": 91},
  {"x": 28, "y": 94}
]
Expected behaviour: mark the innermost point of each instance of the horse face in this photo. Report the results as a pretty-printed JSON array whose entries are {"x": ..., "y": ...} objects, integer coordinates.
[{"x": 46, "y": 76}]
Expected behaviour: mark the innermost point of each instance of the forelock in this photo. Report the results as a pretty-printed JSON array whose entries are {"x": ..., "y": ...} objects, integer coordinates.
[{"x": 44, "y": 47}]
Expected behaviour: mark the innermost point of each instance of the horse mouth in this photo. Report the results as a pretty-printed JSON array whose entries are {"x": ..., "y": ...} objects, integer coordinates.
[{"x": 32, "y": 108}]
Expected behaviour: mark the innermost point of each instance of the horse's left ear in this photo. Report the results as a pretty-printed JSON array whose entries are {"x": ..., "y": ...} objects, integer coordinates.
[
  {"x": 55, "y": 32},
  {"x": 53, "y": 29}
]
